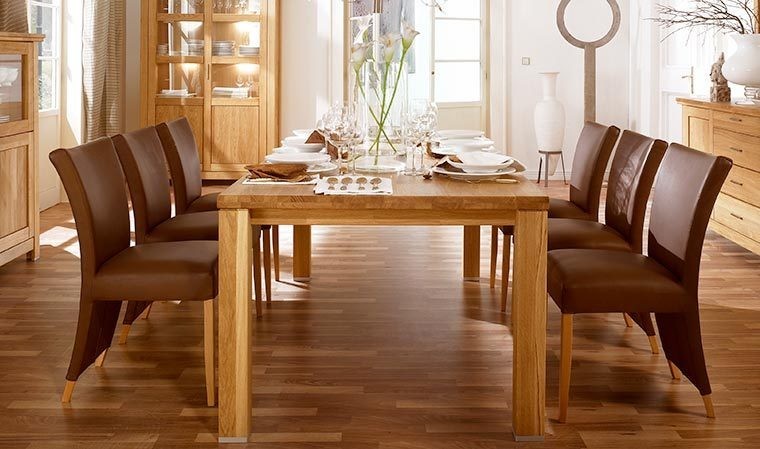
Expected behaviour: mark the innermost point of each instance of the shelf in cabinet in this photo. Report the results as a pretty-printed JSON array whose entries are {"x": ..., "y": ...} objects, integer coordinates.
[
  {"x": 225, "y": 101},
  {"x": 235, "y": 59},
  {"x": 220, "y": 17},
  {"x": 170, "y": 18},
  {"x": 179, "y": 101},
  {"x": 179, "y": 59}
]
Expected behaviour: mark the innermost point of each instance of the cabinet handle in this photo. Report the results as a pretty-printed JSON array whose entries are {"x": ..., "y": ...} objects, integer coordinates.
[
  {"x": 738, "y": 150},
  {"x": 736, "y": 119},
  {"x": 737, "y": 216},
  {"x": 740, "y": 184}
]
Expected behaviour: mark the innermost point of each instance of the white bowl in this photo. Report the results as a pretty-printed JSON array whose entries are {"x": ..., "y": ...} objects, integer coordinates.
[
  {"x": 305, "y": 133},
  {"x": 295, "y": 150},
  {"x": 482, "y": 162},
  {"x": 446, "y": 134},
  {"x": 12, "y": 76},
  {"x": 465, "y": 145}
]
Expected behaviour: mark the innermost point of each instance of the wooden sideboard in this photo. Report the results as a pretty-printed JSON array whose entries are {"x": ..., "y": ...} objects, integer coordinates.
[
  {"x": 725, "y": 129},
  {"x": 19, "y": 208}
]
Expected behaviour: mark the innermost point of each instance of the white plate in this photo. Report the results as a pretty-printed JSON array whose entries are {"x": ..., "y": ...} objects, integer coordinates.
[
  {"x": 309, "y": 159},
  {"x": 445, "y": 151},
  {"x": 293, "y": 150},
  {"x": 482, "y": 162},
  {"x": 474, "y": 176},
  {"x": 305, "y": 133},
  {"x": 470, "y": 144},
  {"x": 322, "y": 168},
  {"x": 459, "y": 134}
]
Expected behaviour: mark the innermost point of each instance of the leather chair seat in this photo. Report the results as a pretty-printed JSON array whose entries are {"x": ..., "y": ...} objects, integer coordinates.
[
  {"x": 170, "y": 270},
  {"x": 599, "y": 281},
  {"x": 566, "y": 233},
  {"x": 197, "y": 226},
  {"x": 205, "y": 203},
  {"x": 567, "y": 209}
]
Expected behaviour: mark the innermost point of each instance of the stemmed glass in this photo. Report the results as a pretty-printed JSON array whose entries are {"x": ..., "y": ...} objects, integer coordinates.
[
  {"x": 420, "y": 124},
  {"x": 340, "y": 128}
]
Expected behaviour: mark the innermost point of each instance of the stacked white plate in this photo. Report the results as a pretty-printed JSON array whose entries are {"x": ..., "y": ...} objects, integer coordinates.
[
  {"x": 447, "y": 134},
  {"x": 223, "y": 48},
  {"x": 249, "y": 50},
  {"x": 195, "y": 47},
  {"x": 299, "y": 143},
  {"x": 310, "y": 159},
  {"x": 5, "y": 118},
  {"x": 482, "y": 162}
]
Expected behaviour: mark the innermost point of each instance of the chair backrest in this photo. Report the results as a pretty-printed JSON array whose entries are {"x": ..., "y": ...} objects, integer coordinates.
[
  {"x": 181, "y": 152},
  {"x": 143, "y": 161},
  {"x": 94, "y": 183},
  {"x": 634, "y": 167},
  {"x": 687, "y": 186},
  {"x": 592, "y": 154}
]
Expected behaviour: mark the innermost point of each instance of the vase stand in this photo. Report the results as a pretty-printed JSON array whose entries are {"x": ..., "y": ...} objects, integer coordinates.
[{"x": 544, "y": 161}]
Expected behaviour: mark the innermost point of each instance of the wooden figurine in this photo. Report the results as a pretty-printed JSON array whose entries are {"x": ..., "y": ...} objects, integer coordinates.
[{"x": 719, "y": 92}]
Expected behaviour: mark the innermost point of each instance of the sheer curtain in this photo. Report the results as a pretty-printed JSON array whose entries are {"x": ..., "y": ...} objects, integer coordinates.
[
  {"x": 103, "y": 67},
  {"x": 13, "y": 16}
]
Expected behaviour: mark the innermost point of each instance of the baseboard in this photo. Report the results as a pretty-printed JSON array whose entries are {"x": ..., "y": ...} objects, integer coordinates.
[
  {"x": 557, "y": 176},
  {"x": 49, "y": 198}
]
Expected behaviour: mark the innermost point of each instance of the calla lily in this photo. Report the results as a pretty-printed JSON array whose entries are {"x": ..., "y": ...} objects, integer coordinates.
[
  {"x": 408, "y": 35},
  {"x": 363, "y": 23},
  {"x": 359, "y": 54},
  {"x": 389, "y": 42}
]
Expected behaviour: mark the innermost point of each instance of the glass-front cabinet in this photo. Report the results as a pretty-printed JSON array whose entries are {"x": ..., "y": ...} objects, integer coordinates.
[{"x": 216, "y": 63}]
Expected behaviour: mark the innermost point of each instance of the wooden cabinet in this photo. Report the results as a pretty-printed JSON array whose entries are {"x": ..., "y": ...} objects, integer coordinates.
[
  {"x": 19, "y": 209},
  {"x": 733, "y": 131},
  {"x": 216, "y": 63}
]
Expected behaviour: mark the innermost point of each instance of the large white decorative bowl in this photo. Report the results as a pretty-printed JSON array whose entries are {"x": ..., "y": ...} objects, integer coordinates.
[{"x": 743, "y": 67}]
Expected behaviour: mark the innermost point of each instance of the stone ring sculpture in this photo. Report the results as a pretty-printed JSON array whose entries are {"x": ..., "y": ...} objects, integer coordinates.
[{"x": 589, "y": 49}]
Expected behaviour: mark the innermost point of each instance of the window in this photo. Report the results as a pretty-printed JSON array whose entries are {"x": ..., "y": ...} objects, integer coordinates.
[{"x": 45, "y": 18}]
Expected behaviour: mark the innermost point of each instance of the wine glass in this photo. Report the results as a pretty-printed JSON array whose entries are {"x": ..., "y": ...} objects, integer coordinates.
[
  {"x": 240, "y": 81},
  {"x": 420, "y": 123}
]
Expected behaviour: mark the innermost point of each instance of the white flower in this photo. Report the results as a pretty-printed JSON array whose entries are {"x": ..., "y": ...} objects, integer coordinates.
[
  {"x": 389, "y": 42},
  {"x": 359, "y": 55},
  {"x": 408, "y": 36}
]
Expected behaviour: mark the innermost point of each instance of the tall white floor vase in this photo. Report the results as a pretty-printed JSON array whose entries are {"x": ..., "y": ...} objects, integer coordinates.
[{"x": 549, "y": 119}]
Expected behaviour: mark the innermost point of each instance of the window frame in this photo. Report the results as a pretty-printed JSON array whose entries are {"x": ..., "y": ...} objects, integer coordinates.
[{"x": 56, "y": 7}]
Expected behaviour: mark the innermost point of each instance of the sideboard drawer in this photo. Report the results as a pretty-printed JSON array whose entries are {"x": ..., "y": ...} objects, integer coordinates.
[
  {"x": 739, "y": 216},
  {"x": 737, "y": 122},
  {"x": 744, "y": 150},
  {"x": 743, "y": 184}
]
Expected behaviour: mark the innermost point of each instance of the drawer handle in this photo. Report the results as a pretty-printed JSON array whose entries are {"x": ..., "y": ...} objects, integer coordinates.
[
  {"x": 737, "y": 216},
  {"x": 740, "y": 184},
  {"x": 738, "y": 150},
  {"x": 735, "y": 119}
]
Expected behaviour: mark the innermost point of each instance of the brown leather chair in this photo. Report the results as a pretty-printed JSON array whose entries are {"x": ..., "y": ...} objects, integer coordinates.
[
  {"x": 632, "y": 175},
  {"x": 592, "y": 153},
  {"x": 113, "y": 272},
  {"x": 181, "y": 151},
  {"x": 664, "y": 283}
]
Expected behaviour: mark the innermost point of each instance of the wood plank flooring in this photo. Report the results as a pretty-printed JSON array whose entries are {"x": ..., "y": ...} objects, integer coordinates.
[{"x": 386, "y": 348}]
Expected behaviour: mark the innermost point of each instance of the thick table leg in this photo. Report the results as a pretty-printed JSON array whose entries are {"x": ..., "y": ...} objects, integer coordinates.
[
  {"x": 529, "y": 326},
  {"x": 235, "y": 241},
  {"x": 472, "y": 253},
  {"x": 302, "y": 253}
]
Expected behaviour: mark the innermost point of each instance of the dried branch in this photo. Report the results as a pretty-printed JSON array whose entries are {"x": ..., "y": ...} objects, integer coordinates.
[{"x": 726, "y": 16}]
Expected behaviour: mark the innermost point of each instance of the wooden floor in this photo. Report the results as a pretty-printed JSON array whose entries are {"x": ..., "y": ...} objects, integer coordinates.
[{"x": 386, "y": 348}]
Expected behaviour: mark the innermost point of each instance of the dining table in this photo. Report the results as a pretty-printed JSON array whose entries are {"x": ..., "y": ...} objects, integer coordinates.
[{"x": 440, "y": 201}]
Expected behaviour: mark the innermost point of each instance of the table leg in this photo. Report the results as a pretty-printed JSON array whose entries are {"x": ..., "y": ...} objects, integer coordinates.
[
  {"x": 235, "y": 242},
  {"x": 529, "y": 326},
  {"x": 302, "y": 253},
  {"x": 472, "y": 253}
]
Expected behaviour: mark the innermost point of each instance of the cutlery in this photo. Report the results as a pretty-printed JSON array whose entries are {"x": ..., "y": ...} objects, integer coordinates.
[
  {"x": 332, "y": 181},
  {"x": 362, "y": 181},
  {"x": 375, "y": 182},
  {"x": 346, "y": 182}
]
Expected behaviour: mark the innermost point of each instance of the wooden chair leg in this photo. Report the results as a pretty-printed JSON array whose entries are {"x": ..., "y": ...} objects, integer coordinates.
[
  {"x": 68, "y": 390},
  {"x": 208, "y": 350},
  {"x": 276, "y": 251},
  {"x": 565, "y": 363},
  {"x": 653, "y": 344},
  {"x": 101, "y": 360},
  {"x": 147, "y": 311},
  {"x": 709, "y": 409},
  {"x": 494, "y": 254},
  {"x": 257, "y": 268},
  {"x": 124, "y": 333},
  {"x": 628, "y": 320},
  {"x": 268, "y": 264},
  {"x": 506, "y": 254},
  {"x": 674, "y": 371}
]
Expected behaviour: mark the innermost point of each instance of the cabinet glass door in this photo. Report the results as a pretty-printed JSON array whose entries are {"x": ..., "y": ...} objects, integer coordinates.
[
  {"x": 12, "y": 100},
  {"x": 236, "y": 51}
]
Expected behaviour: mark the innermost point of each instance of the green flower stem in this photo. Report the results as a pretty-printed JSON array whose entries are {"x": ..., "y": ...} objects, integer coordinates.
[{"x": 374, "y": 116}]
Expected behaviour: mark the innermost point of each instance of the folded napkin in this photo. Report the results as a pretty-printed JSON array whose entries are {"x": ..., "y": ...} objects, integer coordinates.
[
  {"x": 316, "y": 137},
  {"x": 281, "y": 172}
]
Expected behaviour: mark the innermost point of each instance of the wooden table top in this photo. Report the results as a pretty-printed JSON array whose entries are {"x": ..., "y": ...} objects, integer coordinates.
[{"x": 409, "y": 193}]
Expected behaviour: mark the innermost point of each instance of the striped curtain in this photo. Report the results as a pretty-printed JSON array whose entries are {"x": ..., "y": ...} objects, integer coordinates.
[
  {"x": 13, "y": 16},
  {"x": 103, "y": 67}
]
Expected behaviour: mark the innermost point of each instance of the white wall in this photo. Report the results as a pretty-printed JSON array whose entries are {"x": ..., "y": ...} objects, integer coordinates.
[{"x": 534, "y": 34}]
